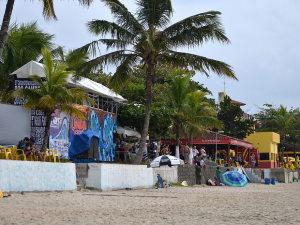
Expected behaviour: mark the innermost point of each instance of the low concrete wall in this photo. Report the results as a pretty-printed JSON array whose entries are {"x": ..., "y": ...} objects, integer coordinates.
[
  {"x": 187, "y": 173},
  {"x": 166, "y": 173},
  {"x": 281, "y": 175},
  {"x": 105, "y": 177},
  {"x": 36, "y": 176}
]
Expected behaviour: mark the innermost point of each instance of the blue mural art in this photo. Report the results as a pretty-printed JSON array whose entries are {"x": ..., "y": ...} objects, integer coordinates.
[
  {"x": 108, "y": 138},
  {"x": 63, "y": 128},
  {"x": 106, "y": 135}
]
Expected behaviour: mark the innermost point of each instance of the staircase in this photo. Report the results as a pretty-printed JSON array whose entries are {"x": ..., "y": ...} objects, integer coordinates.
[{"x": 253, "y": 177}]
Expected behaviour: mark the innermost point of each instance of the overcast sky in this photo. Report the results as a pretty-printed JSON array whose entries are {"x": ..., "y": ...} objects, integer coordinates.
[{"x": 264, "y": 49}]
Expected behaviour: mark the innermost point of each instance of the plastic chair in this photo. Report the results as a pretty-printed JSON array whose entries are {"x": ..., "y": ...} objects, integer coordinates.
[
  {"x": 17, "y": 156},
  {"x": 5, "y": 152},
  {"x": 53, "y": 155}
]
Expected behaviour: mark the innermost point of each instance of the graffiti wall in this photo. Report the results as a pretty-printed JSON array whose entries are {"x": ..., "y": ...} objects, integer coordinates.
[
  {"x": 59, "y": 134},
  {"x": 64, "y": 127},
  {"x": 105, "y": 125}
]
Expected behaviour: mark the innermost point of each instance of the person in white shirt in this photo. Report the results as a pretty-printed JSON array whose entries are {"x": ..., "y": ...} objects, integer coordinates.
[
  {"x": 195, "y": 153},
  {"x": 202, "y": 164}
]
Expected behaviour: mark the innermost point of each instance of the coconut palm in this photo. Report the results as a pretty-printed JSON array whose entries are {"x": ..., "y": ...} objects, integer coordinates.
[
  {"x": 48, "y": 13},
  {"x": 24, "y": 43},
  {"x": 191, "y": 113},
  {"x": 53, "y": 93},
  {"x": 145, "y": 37},
  {"x": 284, "y": 123},
  {"x": 199, "y": 114}
]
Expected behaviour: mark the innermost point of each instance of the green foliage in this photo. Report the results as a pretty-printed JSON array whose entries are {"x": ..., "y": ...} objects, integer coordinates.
[
  {"x": 231, "y": 116},
  {"x": 132, "y": 115},
  {"x": 144, "y": 37},
  {"x": 280, "y": 120},
  {"x": 192, "y": 114},
  {"x": 53, "y": 93},
  {"x": 24, "y": 43}
]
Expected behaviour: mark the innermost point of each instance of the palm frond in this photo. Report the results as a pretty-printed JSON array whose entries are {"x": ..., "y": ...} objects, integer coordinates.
[
  {"x": 122, "y": 74},
  {"x": 154, "y": 14},
  {"x": 103, "y": 27},
  {"x": 115, "y": 43},
  {"x": 199, "y": 63},
  {"x": 123, "y": 17},
  {"x": 114, "y": 58},
  {"x": 48, "y": 10}
]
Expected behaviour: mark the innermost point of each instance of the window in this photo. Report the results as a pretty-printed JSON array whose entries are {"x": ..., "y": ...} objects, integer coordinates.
[{"x": 264, "y": 156}]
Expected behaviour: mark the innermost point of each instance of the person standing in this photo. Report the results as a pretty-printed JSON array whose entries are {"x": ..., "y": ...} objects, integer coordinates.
[
  {"x": 186, "y": 153},
  {"x": 195, "y": 153},
  {"x": 218, "y": 174}
]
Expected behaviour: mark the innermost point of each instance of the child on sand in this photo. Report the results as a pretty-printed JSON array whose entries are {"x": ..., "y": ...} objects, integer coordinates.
[{"x": 218, "y": 173}]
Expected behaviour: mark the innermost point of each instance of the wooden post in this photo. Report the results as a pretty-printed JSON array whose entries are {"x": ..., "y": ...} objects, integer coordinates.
[{"x": 228, "y": 155}]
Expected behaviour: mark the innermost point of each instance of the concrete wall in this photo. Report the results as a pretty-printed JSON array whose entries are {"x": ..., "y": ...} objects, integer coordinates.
[
  {"x": 166, "y": 173},
  {"x": 281, "y": 175},
  {"x": 187, "y": 173},
  {"x": 36, "y": 176},
  {"x": 106, "y": 177}
]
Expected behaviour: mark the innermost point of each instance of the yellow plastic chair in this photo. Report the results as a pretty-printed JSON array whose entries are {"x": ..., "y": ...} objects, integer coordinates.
[
  {"x": 220, "y": 161},
  {"x": 52, "y": 155},
  {"x": 15, "y": 155},
  {"x": 5, "y": 152}
]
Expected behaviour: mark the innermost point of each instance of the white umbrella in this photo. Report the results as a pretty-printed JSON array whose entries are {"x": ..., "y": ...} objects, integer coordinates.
[{"x": 166, "y": 160}]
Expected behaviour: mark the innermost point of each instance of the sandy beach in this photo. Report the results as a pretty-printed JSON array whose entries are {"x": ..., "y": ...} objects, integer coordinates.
[{"x": 253, "y": 204}]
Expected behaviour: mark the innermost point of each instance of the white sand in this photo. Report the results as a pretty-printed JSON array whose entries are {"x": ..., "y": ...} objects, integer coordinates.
[{"x": 253, "y": 204}]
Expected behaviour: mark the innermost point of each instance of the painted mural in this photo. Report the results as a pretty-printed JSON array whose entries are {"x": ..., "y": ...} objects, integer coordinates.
[
  {"x": 64, "y": 127},
  {"x": 104, "y": 124},
  {"x": 59, "y": 134}
]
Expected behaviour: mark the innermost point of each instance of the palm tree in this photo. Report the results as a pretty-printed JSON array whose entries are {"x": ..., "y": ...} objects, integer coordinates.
[
  {"x": 24, "y": 43},
  {"x": 192, "y": 114},
  {"x": 146, "y": 38},
  {"x": 199, "y": 114},
  {"x": 177, "y": 94},
  {"x": 48, "y": 12},
  {"x": 284, "y": 123},
  {"x": 53, "y": 93}
]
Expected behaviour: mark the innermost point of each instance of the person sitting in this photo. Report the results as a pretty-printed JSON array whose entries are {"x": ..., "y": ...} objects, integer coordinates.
[
  {"x": 202, "y": 164},
  {"x": 41, "y": 155},
  {"x": 24, "y": 144}
]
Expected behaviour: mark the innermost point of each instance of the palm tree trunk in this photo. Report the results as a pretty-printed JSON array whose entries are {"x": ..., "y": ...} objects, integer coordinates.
[
  {"x": 158, "y": 147},
  {"x": 150, "y": 73},
  {"x": 47, "y": 132},
  {"x": 177, "y": 142},
  {"x": 190, "y": 161},
  {"x": 282, "y": 148},
  {"x": 294, "y": 151},
  {"x": 5, "y": 24}
]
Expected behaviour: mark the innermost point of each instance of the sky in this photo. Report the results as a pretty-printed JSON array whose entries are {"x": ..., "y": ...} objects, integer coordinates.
[{"x": 264, "y": 50}]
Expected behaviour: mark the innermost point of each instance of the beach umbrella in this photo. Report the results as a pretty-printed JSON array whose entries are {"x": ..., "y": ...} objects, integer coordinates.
[
  {"x": 166, "y": 160},
  {"x": 234, "y": 179}
]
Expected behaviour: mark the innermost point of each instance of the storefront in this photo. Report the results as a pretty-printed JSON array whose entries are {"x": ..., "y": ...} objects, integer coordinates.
[{"x": 212, "y": 141}]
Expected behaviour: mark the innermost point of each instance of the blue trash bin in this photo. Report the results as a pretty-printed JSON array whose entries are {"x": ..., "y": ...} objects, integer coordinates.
[
  {"x": 267, "y": 181},
  {"x": 273, "y": 181}
]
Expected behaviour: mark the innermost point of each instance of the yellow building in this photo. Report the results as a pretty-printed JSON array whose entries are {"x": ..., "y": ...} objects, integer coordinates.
[{"x": 267, "y": 144}]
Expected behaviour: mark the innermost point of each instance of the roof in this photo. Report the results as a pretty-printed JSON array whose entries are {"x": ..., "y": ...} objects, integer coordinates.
[
  {"x": 30, "y": 68},
  {"x": 237, "y": 103},
  {"x": 35, "y": 68},
  {"x": 96, "y": 88},
  {"x": 210, "y": 138}
]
